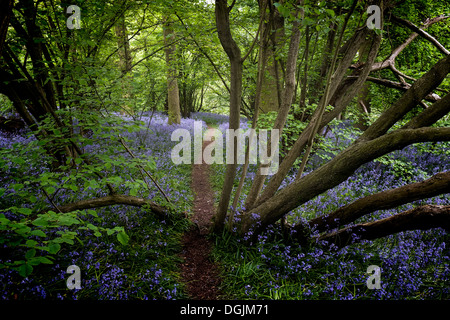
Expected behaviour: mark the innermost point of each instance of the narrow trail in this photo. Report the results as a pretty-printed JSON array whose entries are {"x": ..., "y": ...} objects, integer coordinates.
[{"x": 198, "y": 272}]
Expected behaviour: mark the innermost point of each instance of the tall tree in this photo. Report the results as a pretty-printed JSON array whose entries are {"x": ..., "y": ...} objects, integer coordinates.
[
  {"x": 222, "y": 13},
  {"x": 125, "y": 59},
  {"x": 173, "y": 94},
  {"x": 272, "y": 79}
]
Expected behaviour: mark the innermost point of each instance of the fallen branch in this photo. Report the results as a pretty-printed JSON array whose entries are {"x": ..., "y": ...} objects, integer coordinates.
[
  {"x": 420, "y": 218},
  {"x": 436, "y": 185},
  {"x": 115, "y": 199}
]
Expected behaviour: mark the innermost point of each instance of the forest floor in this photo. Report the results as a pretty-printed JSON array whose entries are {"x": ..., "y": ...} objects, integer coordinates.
[{"x": 198, "y": 271}]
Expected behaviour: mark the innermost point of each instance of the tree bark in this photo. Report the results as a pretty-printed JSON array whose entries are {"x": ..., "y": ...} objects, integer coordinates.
[
  {"x": 422, "y": 33},
  {"x": 234, "y": 55},
  {"x": 271, "y": 84},
  {"x": 334, "y": 172},
  {"x": 420, "y": 218},
  {"x": 436, "y": 185},
  {"x": 173, "y": 95},
  {"x": 418, "y": 91},
  {"x": 125, "y": 61},
  {"x": 6, "y": 8},
  {"x": 299, "y": 145},
  {"x": 115, "y": 199},
  {"x": 288, "y": 94}
]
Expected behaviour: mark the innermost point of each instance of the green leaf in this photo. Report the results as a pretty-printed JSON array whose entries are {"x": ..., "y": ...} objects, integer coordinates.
[
  {"x": 38, "y": 260},
  {"x": 123, "y": 238},
  {"x": 26, "y": 211},
  {"x": 53, "y": 248},
  {"x": 40, "y": 222},
  {"x": 32, "y": 198},
  {"x": 31, "y": 243},
  {"x": 92, "y": 227},
  {"x": 73, "y": 187},
  {"x": 25, "y": 270},
  {"x": 67, "y": 220},
  {"x": 17, "y": 186},
  {"x": 38, "y": 233},
  {"x": 92, "y": 213},
  {"x": 30, "y": 254},
  {"x": 50, "y": 190}
]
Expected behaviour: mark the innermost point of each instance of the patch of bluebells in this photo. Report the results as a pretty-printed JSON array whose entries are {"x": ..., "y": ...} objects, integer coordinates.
[
  {"x": 142, "y": 270},
  {"x": 414, "y": 264}
]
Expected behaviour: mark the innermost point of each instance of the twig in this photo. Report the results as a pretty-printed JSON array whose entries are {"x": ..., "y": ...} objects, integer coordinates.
[
  {"x": 51, "y": 201},
  {"x": 143, "y": 170}
]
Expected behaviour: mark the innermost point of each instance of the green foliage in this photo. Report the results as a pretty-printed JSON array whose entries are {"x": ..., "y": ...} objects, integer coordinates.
[
  {"x": 35, "y": 241},
  {"x": 290, "y": 133}
]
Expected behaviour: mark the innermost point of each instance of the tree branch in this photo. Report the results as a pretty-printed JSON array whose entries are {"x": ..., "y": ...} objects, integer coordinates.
[
  {"x": 418, "y": 91},
  {"x": 336, "y": 171},
  {"x": 422, "y": 33},
  {"x": 397, "y": 85},
  {"x": 436, "y": 185},
  {"x": 115, "y": 199},
  {"x": 420, "y": 218}
]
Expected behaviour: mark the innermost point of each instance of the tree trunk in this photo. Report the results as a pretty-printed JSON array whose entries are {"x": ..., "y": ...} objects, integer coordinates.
[
  {"x": 274, "y": 183},
  {"x": 288, "y": 94},
  {"x": 234, "y": 55},
  {"x": 125, "y": 61},
  {"x": 434, "y": 186},
  {"x": 334, "y": 172},
  {"x": 173, "y": 95},
  {"x": 271, "y": 84},
  {"x": 5, "y": 14}
]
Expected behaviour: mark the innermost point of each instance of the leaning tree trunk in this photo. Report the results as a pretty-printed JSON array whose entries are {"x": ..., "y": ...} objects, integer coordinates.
[{"x": 373, "y": 143}]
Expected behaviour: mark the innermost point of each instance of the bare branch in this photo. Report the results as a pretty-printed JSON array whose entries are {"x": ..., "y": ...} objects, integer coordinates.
[
  {"x": 422, "y": 33},
  {"x": 436, "y": 185},
  {"x": 420, "y": 218},
  {"x": 115, "y": 199},
  {"x": 432, "y": 97}
]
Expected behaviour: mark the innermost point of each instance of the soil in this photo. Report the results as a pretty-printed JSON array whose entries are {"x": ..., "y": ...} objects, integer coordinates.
[{"x": 200, "y": 274}]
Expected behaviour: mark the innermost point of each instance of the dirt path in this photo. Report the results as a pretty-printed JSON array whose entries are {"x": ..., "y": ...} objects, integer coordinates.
[{"x": 199, "y": 273}]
